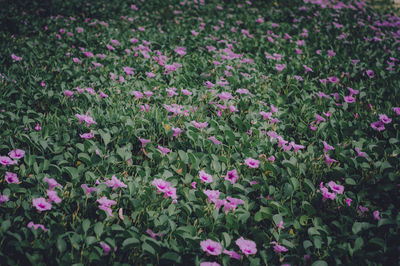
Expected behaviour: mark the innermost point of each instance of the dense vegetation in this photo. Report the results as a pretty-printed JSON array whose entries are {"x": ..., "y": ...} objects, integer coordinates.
[{"x": 229, "y": 132}]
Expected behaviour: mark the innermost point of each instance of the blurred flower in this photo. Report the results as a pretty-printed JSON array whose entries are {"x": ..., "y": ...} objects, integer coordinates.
[
  {"x": 16, "y": 154},
  {"x": 252, "y": 163},
  {"x": 376, "y": 215},
  {"x": 115, "y": 183},
  {"x": 278, "y": 248},
  {"x": 106, "y": 248},
  {"x": 11, "y": 178},
  {"x": 52, "y": 194},
  {"x": 248, "y": 247},
  {"x": 232, "y": 254},
  {"x": 5, "y": 160},
  {"x": 211, "y": 247},
  {"x": 205, "y": 178},
  {"x": 37, "y": 226},
  {"x": 41, "y": 204}
]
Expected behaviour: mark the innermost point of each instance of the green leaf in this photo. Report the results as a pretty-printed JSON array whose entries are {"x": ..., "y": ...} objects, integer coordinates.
[
  {"x": 85, "y": 225},
  {"x": 72, "y": 172},
  {"x": 105, "y": 136},
  {"x": 148, "y": 248},
  {"x": 172, "y": 256},
  {"x": 184, "y": 157},
  {"x": 350, "y": 181},
  {"x": 130, "y": 241},
  {"x": 61, "y": 245},
  {"x": 358, "y": 227},
  {"x": 309, "y": 184},
  {"x": 98, "y": 229},
  {"x": 320, "y": 263},
  {"x": 227, "y": 239}
]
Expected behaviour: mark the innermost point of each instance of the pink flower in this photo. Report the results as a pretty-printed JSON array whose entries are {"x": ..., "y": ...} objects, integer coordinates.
[
  {"x": 165, "y": 187},
  {"x": 383, "y": 117},
  {"x": 349, "y": 99},
  {"x": 252, "y": 163},
  {"x": 280, "y": 225},
  {"x": 153, "y": 235},
  {"x": 200, "y": 125},
  {"x": 68, "y": 93},
  {"x": 5, "y": 160},
  {"x": 325, "y": 193},
  {"x": 211, "y": 247},
  {"x": 52, "y": 194},
  {"x": 370, "y": 73},
  {"x": 327, "y": 147},
  {"x": 106, "y": 248},
  {"x": 214, "y": 140},
  {"x": 271, "y": 158},
  {"x": 193, "y": 184},
  {"x": 163, "y": 150},
  {"x": 180, "y": 51},
  {"x": 280, "y": 67},
  {"x": 41, "y": 204},
  {"x": 278, "y": 248},
  {"x": 105, "y": 205},
  {"x": 37, "y": 127},
  {"x": 4, "y": 198},
  {"x": 52, "y": 183},
  {"x": 348, "y": 202},
  {"x": 329, "y": 160},
  {"x": 11, "y": 178},
  {"x": 360, "y": 153},
  {"x": 88, "y": 190},
  {"x": 232, "y": 176},
  {"x": 233, "y": 254},
  {"x": 16, "y": 154},
  {"x": 205, "y": 178},
  {"x": 225, "y": 96},
  {"x": 248, "y": 247},
  {"x": 144, "y": 141},
  {"x": 378, "y": 125},
  {"x": 207, "y": 263},
  {"x": 115, "y": 183},
  {"x": 212, "y": 195},
  {"x": 37, "y": 226},
  {"x": 397, "y": 110},
  {"x": 338, "y": 189},
  {"x": 87, "y": 135},
  {"x": 177, "y": 131},
  {"x": 376, "y": 215},
  {"x": 16, "y": 58},
  {"x": 77, "y": 60}
]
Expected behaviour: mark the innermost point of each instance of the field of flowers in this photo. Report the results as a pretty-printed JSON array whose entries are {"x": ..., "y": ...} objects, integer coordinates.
[{"x": 199, "y": 132}]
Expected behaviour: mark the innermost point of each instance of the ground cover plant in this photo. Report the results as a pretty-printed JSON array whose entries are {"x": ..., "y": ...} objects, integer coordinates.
[{"x": 199, "y": 133}]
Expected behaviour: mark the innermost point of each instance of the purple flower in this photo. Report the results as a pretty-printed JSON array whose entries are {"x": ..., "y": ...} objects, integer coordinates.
[
  {"x": 370, "y": 73},
  {"x": 87, "y": 189},
  {"x": 383, "y": 117},
  {"x": 180, "y": 51},
  {"x": 360, "y": 153},
  {"x": 207, "y": 263},
  {"x": 212, "y": 195},
  {"x": 378, "y": 125},
  {"x": 5, "y": 160},
  {"x": 144, "y": 141},
  {"x": 278, "y": 248},
  {"x": 37, "y": 226},
  {"x": 329, "y": 160},
  {"x": 105, "y": 205},
  {"x": 4, "y": 198},
  {"x": 153, "y": 235},
  {"x": 41, "y": 204},
  {"x": 333, "y": 79},
  {"x": 338, "y": 189},
  {"x": 211, "y": 247},
  {"x": 16, "y": 154},
  {"x": 232, "y": 254},
  {"x": 177, "y": 131},
  {"x": 280, "y": 67},
  {"x": 106, "y": 248},
  {"x": 349, "y": 99},
  {"x": 252, "y": 163},
  {"x": 225, "y": 96},
  {"x": 52, "y": 183},
  {"x": 327, "y": 147},
  {"x": 232, "y": 176},
  {"x": 87, "y": 135},
  {"x": 397, "y": 110},
  {"x": 115, "y": 183},
  {"x": 68, "y": 93},
  {"x": 376, "y": 215},
  {"x": 214, "y": 140},
  {"x": 16, "y": 58},
  {"x": 163, "y": 150},
  {"x": 205, "y": 178},
  {"x": 11, "y": 178},
  {"x": 248, "y": 247},
  {"x": 52, "y": 194}
]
